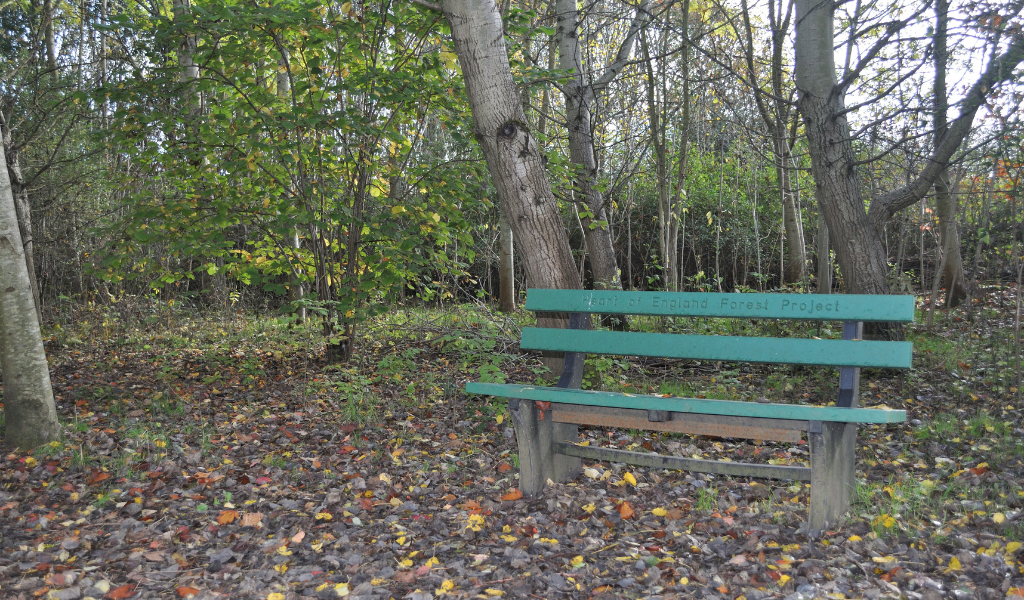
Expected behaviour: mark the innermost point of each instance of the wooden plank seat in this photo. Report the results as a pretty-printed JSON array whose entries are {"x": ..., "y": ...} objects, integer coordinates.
[{"x": 546, "y": 419}]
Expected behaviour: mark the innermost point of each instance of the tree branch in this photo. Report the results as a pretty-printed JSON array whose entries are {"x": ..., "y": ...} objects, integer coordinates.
[
  {"x": 641, "y": 18},
  {"x": 998, "y": 71}
]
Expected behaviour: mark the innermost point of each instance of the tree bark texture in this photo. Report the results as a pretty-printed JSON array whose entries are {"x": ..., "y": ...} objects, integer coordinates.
[
  {"x": 579, "y": 98},
  {"x": 23, "y": 209},
  {"x": 29, "y": 410},
  {"x": 859, "y": 248},
  {"x": 945, "y": 200},
  {"x": 506, "y": 266},
  {"x": 510, "y": 150}
]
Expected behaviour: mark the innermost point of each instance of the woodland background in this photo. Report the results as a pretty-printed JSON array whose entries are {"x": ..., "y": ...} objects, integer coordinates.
[{"x": 263, "y": 250}]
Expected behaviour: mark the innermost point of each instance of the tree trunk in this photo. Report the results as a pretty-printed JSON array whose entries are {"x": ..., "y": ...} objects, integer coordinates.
[
  {"x": 859, "y": 249},
  {"x": 579, "y": 96},
  {"x": 945, "y": 201},
  {"x": 506, "y": 266},
  {"x": 515, "y": 165},
  {"x": 51, "y": 42},
  {"x": 29, "y": 410},
  {"x": 296, "y": 292},
  {"x": 824, "y": 257},
  {"x": 658, "y": 142},
  {"x": 23, "y": 210}
]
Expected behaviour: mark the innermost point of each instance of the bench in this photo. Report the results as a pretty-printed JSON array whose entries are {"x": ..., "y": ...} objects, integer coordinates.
[{"x": 546, "y": 419}]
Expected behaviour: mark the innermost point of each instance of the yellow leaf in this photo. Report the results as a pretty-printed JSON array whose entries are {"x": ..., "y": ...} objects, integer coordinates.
[
  {"x": 499, "y": 419},
  {"x": 1012, "y": 547},
  {"x": 284, "y": 551},
  {"x": 659, "y": 512},
  {"x": 400, "y": 541},
  {"x": 395, "y": 502},
  {"x": 577, "y": 561},
  {"x": 281, "y": 568},
  {"x": 341, "y": 589},
  {"x": 346, "y": 7},
  {"x": 493, "y": 592},
  {"x": 405, "y": 562},
  {"x": 954, "y": 565},
  {"x": 275, "y": 596},
  {"x": 630, "y": 478},
  {"x": 999, "y": 518},
  {"x": 590, "y": 507},
  {"x": 397, "y": 210},
  {"x": 266, "y": 202},
  {"x": 324, "y": 516},
  {"x": 855, "y": 538},
  {"x": 783, "y": 579},
  {"x": 447, "y": 585},
  {"x": 883, "y": 559}
]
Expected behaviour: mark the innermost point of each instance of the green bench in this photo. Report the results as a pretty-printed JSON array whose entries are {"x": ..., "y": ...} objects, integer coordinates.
[{"x": 546, "y": 419}]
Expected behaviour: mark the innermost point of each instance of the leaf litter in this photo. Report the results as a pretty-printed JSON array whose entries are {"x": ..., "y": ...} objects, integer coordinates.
[{"x": 195, "y": 481}]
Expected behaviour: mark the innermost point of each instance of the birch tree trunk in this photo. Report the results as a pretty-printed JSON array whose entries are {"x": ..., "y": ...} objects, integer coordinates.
[
  {"x": 29, "y": 410},
  {"x": 23, "y": 208},
  {"x": 579, "y": 98},
  {"x": 510, "y": 150},
  {"x": 506, "y": 266},
  {"x": 284, "y": 89}
]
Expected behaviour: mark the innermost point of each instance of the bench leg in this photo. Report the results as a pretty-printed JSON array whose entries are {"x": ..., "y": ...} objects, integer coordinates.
[
  {"x": 833, "y": 448},
  {"x": 536, "y": 437}
]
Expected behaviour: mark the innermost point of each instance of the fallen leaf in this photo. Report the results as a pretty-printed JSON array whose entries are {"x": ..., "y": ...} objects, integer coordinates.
[
  {"x": 405, "y": 577},
  {"x": 125, "y": 591},
  {"x": 659, "y": 512},
  {"x": 504, "y": 467},
  {"x": 626, "y": 510},
  {"x": 630, "y": 478},
  {"x": 185, "y": 591},
  {"x": 227, "y": 516},
  {"x": 515, "y": 494},
  {"x": 96, "y": 477},
  {"x": 297, "y": 538},
  {"x": 251, "y": 519}
]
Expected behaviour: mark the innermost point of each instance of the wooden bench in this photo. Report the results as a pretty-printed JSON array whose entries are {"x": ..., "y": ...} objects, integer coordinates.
[{"x": 546, "y": 419}]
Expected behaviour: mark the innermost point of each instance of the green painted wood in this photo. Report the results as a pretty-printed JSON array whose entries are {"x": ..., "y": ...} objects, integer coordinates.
[
  {"x": 689, "y": 405},
  {"x": 838, "y": 307},
  {"x": 658, "y": 461},
  {"x": 797, "y": 351}
]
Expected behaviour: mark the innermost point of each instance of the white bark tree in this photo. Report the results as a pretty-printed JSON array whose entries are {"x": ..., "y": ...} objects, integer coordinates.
[
  {"x": 515, "y": 164},
  {"x": 29, "y": 410},
  {"x": 580, "y": 95}
]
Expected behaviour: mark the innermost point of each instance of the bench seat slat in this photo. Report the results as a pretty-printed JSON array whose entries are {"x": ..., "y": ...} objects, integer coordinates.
[
  {"x": 839, "y": 353},
  {"x": 658, "y": 461},
  {"x": 688, "y": 405},
  {"x": 778, "y": 430},
  {"x": 839, "y": 307}
]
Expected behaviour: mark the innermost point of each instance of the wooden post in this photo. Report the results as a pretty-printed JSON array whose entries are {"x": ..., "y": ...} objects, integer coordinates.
[
  {"x": 833, "y": 449},
  {"x": 536, "y": 434},
  {"x": 832, "y": 470},
  {"x": 537, "y": 431}
]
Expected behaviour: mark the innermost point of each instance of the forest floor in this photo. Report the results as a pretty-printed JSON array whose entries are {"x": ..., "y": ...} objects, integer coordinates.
[{"x": 226, "y": 458}]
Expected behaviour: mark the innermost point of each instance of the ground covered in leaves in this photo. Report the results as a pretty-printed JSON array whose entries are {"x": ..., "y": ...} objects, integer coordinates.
[{"x": 225, "y": 458}]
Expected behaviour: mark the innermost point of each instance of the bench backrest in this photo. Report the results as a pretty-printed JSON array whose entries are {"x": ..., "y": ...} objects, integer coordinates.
[{"x": 849, "y": 352}]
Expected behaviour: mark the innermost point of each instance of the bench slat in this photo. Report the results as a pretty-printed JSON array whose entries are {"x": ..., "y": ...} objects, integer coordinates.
[
  {"x": 838, "y": 353},
  {"x": 778, "y": 430},
  {"x": 839, "y": 307},
  {"x": 688, "y": 405},
  {"x": 658, "y": 461}
]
